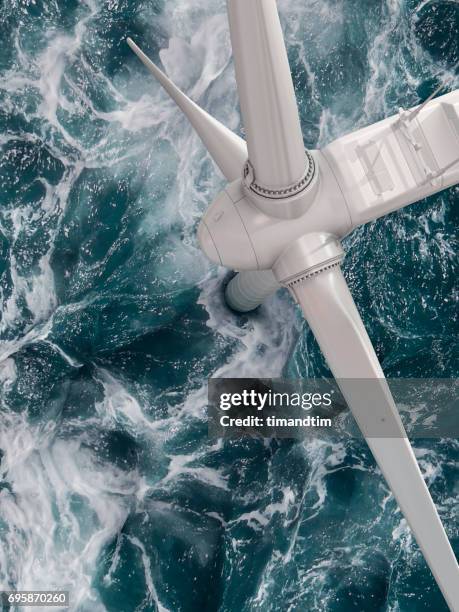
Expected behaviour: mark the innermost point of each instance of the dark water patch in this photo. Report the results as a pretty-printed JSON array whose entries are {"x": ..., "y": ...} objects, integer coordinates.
[
  {"x": 117, "y": 448},
  {"x": 362, "y": 585},
  {"x": 4, "y": 258},
  {"x": 121, "y": 579},
  {"x": 422, "y": 357},
  {"x": 83, "y": 392},
  {"x": 23, "y": 162},
  {"x": 421, "y": 594},
  {"x": 117, "y": 21},
  {"x": 40, "y": 389},
  {"x": 169, "y": 533},
  {"x": 437, "y": 27}
]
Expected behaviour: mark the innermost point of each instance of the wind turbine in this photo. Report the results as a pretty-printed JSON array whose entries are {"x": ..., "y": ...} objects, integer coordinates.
[{"x": 280, "y": 219}]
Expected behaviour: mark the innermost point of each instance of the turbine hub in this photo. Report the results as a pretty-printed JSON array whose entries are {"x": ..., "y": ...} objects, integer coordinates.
[
  {"x": 286, "y": 201},
  {"x": 265, "y": 191}
]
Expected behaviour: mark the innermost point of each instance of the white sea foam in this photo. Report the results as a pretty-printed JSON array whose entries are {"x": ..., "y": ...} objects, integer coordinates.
[
  {"x": 64, "y": 505},
  {"x": 119, "y": 407},
  {"x": 148, "y": 577},
  {"x": 46, "y": 544}
]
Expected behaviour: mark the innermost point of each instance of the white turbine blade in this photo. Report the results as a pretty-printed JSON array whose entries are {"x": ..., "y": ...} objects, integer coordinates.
[
  {"x": 268, "y": 104},
  {"x": 331, "y": 312},
  {"x": 399, "y": 160},
  {"x": 226, "y": 148}
]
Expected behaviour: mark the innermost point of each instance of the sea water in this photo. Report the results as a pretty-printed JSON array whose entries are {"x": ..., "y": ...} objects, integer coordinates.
[{"x": 113, "y": 320}]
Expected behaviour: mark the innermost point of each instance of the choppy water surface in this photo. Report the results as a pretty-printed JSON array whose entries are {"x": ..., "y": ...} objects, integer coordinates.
[{"x": 112, "y": 320}]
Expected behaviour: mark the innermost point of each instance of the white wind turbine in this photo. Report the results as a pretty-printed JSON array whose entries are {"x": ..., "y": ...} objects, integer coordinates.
[{"x": 280, "y": 219}]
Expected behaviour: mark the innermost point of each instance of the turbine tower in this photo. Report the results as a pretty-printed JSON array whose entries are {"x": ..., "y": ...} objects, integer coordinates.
[{"x": 280, "y": 219}]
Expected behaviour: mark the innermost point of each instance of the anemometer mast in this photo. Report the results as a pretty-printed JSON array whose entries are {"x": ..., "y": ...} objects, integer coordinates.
[{"x": 279, "y": 169}]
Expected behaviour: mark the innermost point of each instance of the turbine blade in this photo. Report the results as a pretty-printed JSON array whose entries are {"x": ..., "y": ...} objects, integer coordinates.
[
  {"x": 227, "y": 150},
  {"x": 332, "y": 314},
  {"x": 267, "y": 97}
]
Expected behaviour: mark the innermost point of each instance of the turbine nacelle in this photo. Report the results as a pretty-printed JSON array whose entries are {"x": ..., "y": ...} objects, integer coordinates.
[{"x": 356, "y": 178}]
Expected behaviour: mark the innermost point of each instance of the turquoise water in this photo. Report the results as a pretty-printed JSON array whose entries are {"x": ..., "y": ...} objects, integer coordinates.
[{"x": 112, "y": 319}]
